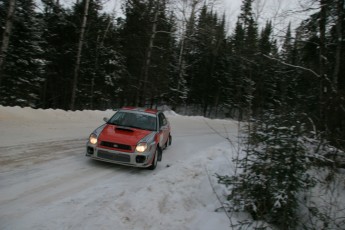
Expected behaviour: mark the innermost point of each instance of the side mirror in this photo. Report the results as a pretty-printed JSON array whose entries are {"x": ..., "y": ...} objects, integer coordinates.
[{"x": 105, "y": 119}]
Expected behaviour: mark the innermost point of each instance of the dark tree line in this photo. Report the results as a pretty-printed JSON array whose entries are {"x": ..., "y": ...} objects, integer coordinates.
[
  {"x": 287, "y": 91},
  {"x": 140, "y": 60}
]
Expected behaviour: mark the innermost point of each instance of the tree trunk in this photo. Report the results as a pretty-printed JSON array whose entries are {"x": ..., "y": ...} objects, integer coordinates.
[
  {"x": 148, "y": 58},
  {"x": 99, "y": 45},
  {"x": 322, "y": 63},
  {"x": 340, "y": 14},
  {"x": 80, "y": 47},
  {"x": 186, "y": 24},
  {"x": 6, "y": 35},
  {"x": 181, "y": 66}
]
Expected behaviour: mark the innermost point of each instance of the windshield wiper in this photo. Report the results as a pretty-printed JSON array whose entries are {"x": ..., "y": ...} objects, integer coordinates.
[
  {"x": 112, "y": 123},
  {"x": 132, "y": 126}
]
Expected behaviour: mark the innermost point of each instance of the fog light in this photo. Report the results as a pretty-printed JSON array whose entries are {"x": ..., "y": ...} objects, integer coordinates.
[
  {"x": 140, "y": 159},
  {"x": 90, "y": 150}
]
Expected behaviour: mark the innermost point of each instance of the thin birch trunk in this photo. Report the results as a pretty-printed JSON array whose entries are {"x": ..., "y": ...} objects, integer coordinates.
[
  {"x": 148, "y": 58},
  {"x": 322, "y": 62},
  {"x": 80, "y": 47},
  {"x": 99, "y": 44},
  {"x": 340, "y": 14}
]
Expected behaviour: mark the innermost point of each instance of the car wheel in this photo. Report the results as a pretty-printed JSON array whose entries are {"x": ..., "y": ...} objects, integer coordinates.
[
  {"x": 168, "y": 142},
  {"x": 155, "y": 160},
  {"x": 170, "y": 139}
]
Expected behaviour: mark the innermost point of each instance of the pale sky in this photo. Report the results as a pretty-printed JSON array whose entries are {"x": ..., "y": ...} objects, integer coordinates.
[{"x": 280, "y": 12}]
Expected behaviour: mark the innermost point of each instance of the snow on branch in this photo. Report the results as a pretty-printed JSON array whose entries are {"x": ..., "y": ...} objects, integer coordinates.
[{"x": 294, "y": 66}]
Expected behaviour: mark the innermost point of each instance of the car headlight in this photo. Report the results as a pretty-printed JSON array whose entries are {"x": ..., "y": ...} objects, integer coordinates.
[
  {"x": 141, "y": 147},
  {"x": 93, "y": 138}
]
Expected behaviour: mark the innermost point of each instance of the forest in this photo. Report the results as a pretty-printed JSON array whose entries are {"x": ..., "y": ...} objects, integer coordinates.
[{"x": 81, "y": 57}]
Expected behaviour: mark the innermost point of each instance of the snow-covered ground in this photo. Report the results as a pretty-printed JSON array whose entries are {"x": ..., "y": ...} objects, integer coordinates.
[{"x": 46, "y": 182}]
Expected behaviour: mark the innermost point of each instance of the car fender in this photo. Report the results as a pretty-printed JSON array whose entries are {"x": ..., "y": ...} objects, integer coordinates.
[
  {"x": 149, "y": 138},
  {"x": 159, "y": 139},
  {"x": 99, "y": 129}
]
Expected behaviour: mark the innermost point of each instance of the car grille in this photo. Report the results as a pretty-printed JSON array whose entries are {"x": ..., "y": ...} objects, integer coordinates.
[
  {"x": 115, "y": 145},
  {"x": 114, "y": 156}
]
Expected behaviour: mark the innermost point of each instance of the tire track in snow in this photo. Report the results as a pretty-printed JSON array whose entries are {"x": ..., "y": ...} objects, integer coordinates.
[{"x": 48, "y": 173}]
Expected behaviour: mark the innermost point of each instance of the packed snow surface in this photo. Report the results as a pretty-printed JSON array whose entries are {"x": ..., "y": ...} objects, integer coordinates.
[{"x": 46, "y": 182}]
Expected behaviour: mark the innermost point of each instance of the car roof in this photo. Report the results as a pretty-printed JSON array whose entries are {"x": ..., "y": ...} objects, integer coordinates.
[{"x": 139, "y": 109}]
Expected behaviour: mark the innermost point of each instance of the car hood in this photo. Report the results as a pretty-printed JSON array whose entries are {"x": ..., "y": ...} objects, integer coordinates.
[{"x": 122, "y": 135}]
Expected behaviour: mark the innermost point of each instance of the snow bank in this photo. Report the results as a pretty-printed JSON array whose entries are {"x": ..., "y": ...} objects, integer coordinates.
[{"x": 27, "y": 125}]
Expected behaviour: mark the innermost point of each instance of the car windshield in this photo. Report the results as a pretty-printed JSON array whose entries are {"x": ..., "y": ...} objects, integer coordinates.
[{"x": 134, "y": 120}]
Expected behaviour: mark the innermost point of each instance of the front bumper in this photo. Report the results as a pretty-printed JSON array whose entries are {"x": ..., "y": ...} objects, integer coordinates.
[{"x": 141, "y": 160}]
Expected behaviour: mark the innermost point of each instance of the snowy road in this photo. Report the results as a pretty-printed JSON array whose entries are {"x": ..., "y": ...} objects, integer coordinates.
[{"x": 52, "y": 185}]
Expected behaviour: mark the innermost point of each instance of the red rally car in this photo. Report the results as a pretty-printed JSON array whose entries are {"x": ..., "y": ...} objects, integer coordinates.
[{"x": 132, "y": 136}]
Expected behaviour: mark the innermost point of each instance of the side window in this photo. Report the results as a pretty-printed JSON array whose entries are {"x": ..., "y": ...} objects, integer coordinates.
[
  {"x": 165, "y": 122},
  {"x": 162, "y": 120}
]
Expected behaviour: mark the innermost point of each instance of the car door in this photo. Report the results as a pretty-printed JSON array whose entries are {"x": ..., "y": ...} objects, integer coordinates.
[{"x": 164, "y": 129}]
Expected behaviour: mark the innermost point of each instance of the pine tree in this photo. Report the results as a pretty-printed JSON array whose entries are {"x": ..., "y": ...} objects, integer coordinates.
[
  {"x": 22, "y": 69},
  {"x": 335, "y": 111},
  {"x": 59, "y": 43},
  {"x": 180, "y": 81},
  {"x": 134, "y": 38},
  {"x": 287, "y": 46},
  {"x": 208, "y": 62},
  {"x": 146, "y": 44},
  {"x": 6, "y": 29},
  {"x": 236, "y": 103},
  {"x": 273, "y": 172},
  {"x": 245, "y": 55},
  {"x": 109, "y": 67},
  {"x": 318, "y": 54},
  {"x": 267, "y": 93}
]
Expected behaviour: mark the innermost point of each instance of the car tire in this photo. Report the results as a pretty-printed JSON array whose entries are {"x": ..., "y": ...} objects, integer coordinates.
[
  {"x": 168, "y": 143},
  {"x": 155, "y": 161},
  {"x": 170, "y": 139}
]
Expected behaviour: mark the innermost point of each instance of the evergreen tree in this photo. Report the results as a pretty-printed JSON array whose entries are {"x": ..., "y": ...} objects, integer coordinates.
[
  {"x": 207, "y": 77},
  {"x": 245, "y": 55},
  {"x": 266, "y": 95},
  {"x": 6, "y": 23},
  {"x": 222, "y": 75},
  {"x": 335, "y": 114},
  {"x": 287, "y": 47},
  {"x": 146, "y": 44},
  {"x": 183, "y": 61},
  {"x": 290, "y": 78},
  {"x": 134, "y": 38},
  {"x": 60, "y": 37},
  {"x": 273, "y": 172},
  {"x": 237, "y": 102},
  {"x": 102, "y": 66},
  {"x": 22, "y": 69},
  {"x": 317, "y": 55}
]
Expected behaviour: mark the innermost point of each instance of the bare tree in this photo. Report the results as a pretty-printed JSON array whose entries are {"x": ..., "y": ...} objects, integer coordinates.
[
  {"x": 187, "y": 10},
  {"x": 322, "y": 57},
  {"x": 6, "y": 35},
  {"x": 149, "y": 53},
  {"x": 340, "y": 18},
  {"x": 80, "y": 47}
]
